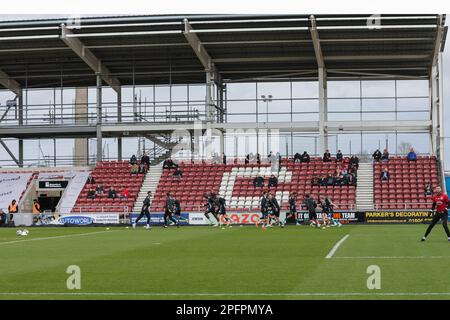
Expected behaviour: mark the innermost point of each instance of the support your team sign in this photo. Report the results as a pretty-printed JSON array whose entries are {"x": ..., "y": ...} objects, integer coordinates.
[
  {"x": 411, "y": 216},
  {"x": 343, "y": 217}
]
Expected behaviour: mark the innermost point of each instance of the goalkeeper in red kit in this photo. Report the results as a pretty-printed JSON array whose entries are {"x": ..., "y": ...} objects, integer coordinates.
[{"x": 440, "y": 203}]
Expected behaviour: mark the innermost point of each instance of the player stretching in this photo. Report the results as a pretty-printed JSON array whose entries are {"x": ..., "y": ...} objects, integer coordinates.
[
  {"x": 329, "y": 209},
  {"x": 264, "y": 211},
  {"x": 274, "y": 211},
  {"x": 439, "y": 207},
  {"x": 311, "y": 206},
  {"x": 210, "y": 203},
  {"x": 222, "y": 211},
  {"x": 145, "y": 211},
  {"x": 292, "y": 214},
  {"x": 169, "y": 209}
]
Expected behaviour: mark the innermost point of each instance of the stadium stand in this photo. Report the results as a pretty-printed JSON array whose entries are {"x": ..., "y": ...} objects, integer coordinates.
[
  {"x": 235, "y": 183},
  {"x": 405, "y": 188},
  {"x": 115, "y": 174}
]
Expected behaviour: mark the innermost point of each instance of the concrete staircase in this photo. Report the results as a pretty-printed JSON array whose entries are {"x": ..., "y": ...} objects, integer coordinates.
[
  {"x": 364, "y": 189},
  {"x": 150, "y": 183}
]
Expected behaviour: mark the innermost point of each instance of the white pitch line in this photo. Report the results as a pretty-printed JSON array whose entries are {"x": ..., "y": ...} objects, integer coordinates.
[
  {"x": 157, "y": 294},
  {"x": 55, "y": 237},
  {"x": 396, "y": 257},
  {"x": 336, "y": 247}
]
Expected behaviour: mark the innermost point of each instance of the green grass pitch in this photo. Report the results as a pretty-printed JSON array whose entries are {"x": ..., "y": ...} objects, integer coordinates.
[{"x": 236, "y": 263}]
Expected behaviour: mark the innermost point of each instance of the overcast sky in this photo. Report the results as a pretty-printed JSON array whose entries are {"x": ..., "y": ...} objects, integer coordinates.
[{"x": 341, "y": 89}]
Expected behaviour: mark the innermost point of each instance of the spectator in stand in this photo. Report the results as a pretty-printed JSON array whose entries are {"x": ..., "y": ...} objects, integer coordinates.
[
  {"x": 247, "y": 159},
  {"x": 169, "y": 164},
  {"x": 315, "y": 180},
  {"x": 224, "y": 159},
  {"x": 258, "y": 159},
  {"x": 91, "y": 194},
  {"x": 258, "y": 181},
  {"x": 297, "y": 157},
  {"x": 384, "y": 175},
  {"x": 344, "y": 173},
  {"x": 125, "y": 194},
  {"x": 376, "y": 155},
  {"x": 326, "y": 156},
  {"x": 352, "y": 169},
  {"x": 91, "y": 179},
  {"x": 336, "y": 171},
  {"x": 354, "y": 161},
  {"x": 273, "y": 181},
  {"x": 339, "y": 156},
  {"x": 133, "y": 159},
  {"x": 166, "y": 164},
  {"x": 385, "y": 156},
  {"x": 142, "y": 168},
  {"x": 135, "y": 169},
  {"x": 412, "y": 156},
  {"x": 329, "y": 180},
  {"x": 177, "y": 173},
  {"x": 322, "y": 180},
  {"x": 305, "y": 158},
  {"x": 351, "y": 178},
  {"x": 99, "y": 190},
  {"x": 112, "y": 194},
  {"x": 145, "y": 159},
  {"x": 36, "y": 209},
  {"x": 429, "y": 189}
]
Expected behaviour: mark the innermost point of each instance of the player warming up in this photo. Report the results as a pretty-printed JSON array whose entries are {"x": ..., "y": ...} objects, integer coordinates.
[
  {"x": 177, "y": 208},
  {"x": 169, "y": 210},
  {"x": 263, "y": 204},
  {"x": 311, "y": 206},
  {"x": 210, "y": 208},
  {"x": 439, "y": 208},
  {"x": 329, "y": 208},
  {"x": 145, "y": 211},
  {"x": 292, "y": 214},
  {"x": 274, "y": 211},
  {"x": 222, "y": 211}
]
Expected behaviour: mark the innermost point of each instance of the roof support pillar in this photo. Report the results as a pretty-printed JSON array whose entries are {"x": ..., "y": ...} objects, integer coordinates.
[
  {"x": 323, "y": 111},
  {"x": 210, "y": 109},
  {"x": 119, "y": 119},
  {"x": 99, "y": 119},
  {"x": 437, "y": 121},
  {"x": 20, "y": 114}
]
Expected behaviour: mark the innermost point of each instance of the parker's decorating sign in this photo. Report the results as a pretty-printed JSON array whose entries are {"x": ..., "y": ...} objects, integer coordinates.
[{"x": 411, "y": 216}]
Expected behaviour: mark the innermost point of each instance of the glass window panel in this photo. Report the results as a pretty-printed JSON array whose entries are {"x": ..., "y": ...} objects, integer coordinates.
[
  {"x": 412, "y": 88},
  {"x": 344, "y": 89},
  {"x": 241, "y": 91},
  {"x": 276, "y": 89},
  {"x": 305, "y": 90},
  {"x": 378, "y": 88}
]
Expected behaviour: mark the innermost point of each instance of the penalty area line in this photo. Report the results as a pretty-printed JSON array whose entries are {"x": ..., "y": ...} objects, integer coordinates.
[{"x": 336, "y": 247}]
